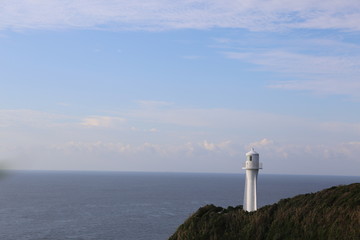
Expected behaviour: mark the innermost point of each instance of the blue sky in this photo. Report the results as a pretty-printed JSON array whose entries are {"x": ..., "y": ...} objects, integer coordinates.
[{"x": 187, "y": 86}]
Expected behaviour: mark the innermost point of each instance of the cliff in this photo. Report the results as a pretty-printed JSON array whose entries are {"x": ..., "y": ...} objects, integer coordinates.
[{"x": 332, "y": 213}]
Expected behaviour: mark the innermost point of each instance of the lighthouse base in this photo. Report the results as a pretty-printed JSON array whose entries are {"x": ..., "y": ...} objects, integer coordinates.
[{"x": 250, "y": 201}]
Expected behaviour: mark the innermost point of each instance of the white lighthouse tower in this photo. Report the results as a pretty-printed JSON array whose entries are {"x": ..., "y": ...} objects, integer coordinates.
[{"x": 252, "y": 166}]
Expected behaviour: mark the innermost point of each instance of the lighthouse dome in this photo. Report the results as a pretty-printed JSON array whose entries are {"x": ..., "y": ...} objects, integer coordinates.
[
  {"x": 252, "y": 160},
  {"x": 252, "y": 152}
]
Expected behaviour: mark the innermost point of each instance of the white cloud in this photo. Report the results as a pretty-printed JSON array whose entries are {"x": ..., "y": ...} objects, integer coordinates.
[
  {"x": 152, "y": 130},
  {"x": 341, "y": 127},
  {"x": 176, "y": 124},
  {"x": 167, "y": 14},
  {"x": 102, "y": 121},
  {"x": 347, "y": 87},
  {"x": 50, "y": 141},
  {"x": 290, "y": 158},
  {"x": 205, "y": 156},
  {"x": 31, "y": 118},
  {"x": 26, "y": 118},
  {"x": 263, "y": 142},
  {"x": 181, "y": 117},
  {"x": 300, "y": 65},
  {"x": 221, "y": 146},
  {"x": 149, "y": 104},
  {"x": 320, "y": 72}
]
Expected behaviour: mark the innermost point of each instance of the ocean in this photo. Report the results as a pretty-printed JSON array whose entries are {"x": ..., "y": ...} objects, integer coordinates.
[{"x": 38, "y": 205}]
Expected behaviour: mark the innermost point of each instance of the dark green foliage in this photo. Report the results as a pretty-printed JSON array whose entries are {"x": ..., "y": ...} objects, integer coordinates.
[{"x": 333, "y": 213}]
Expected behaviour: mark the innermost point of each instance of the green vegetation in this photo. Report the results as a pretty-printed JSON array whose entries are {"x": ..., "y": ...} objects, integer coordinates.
[{"x": 332, "y": 213}]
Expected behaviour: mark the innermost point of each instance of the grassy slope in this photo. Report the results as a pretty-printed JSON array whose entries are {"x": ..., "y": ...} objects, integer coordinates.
[{"x": 332, "y": 213}]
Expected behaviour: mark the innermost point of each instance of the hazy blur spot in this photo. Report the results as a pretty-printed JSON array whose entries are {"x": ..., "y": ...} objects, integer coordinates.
[{"x": 4, "y": 169}]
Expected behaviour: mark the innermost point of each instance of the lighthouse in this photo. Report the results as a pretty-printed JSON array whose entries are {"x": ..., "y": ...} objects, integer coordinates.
[{"x": 252, "y": 166}]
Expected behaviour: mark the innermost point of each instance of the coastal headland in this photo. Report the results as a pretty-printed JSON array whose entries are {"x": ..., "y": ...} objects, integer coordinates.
[{"x": 333, "y": 213}]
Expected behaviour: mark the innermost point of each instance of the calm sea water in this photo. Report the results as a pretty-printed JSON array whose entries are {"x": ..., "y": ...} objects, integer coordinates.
[{"x": 127, "y": 206}]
